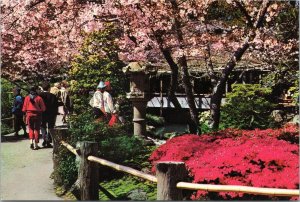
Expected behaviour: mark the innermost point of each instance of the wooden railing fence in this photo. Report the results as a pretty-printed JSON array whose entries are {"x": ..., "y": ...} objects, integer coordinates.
[{"x": 170, "y": 177}]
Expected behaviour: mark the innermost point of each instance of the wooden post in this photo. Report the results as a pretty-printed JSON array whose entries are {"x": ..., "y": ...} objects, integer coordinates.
[
  {"x": 58, "y": 135},
  {"x": 88, "y": 172},
  {"x": 168, "y": 175}
]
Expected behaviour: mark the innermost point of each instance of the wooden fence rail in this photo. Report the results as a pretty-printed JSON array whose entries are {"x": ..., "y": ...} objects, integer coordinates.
[
  {"x": 10, "y": 120},
  {"x": 7, "y": 119},
  {"x": 123, "y": 168},
  {"x": 237, "y": 188},
  {"x": 169, "y": 177}
]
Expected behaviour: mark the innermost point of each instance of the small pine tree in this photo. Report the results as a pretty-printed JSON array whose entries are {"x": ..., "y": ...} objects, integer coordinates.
[
  {"x": 247, "y": 107},
  {"x": 97, "y": 60}
]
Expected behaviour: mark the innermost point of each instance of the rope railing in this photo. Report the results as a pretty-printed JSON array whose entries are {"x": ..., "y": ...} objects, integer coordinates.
[{"x": 186, "y": 185}]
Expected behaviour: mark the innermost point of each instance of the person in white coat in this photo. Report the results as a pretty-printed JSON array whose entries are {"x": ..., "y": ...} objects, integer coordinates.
[{"x": 102, "y": 103}]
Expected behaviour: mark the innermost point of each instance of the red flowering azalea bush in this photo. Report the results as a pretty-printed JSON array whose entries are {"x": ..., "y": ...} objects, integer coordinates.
[{"x": 258, "y": 158}]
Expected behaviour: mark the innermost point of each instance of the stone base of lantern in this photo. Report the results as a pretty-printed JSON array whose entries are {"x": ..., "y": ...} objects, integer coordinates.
[{"x": 139, "y": 115}]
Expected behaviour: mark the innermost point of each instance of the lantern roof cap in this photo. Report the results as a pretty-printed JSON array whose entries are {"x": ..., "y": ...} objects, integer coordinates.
[{"x": 139, "y": 67}]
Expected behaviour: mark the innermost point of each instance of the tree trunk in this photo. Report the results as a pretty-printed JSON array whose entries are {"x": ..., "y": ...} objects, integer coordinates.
[
  {"x": 217, "y": 94},
  {"x": 216, "y": 98},
  {"x": 215, "y": 106},
  {"x": 194, "y": 120},
  {"x": 174, "y": 78},
  {"x": 174, "y": 70}
]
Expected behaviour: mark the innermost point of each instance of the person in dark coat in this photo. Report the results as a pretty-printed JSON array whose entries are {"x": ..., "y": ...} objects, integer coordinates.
[
  {"x": 17, "y": 112},
  {"x": 49, "y": 115}
]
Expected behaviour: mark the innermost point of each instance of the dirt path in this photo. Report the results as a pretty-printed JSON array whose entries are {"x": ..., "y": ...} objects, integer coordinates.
[{"x": 25, "y": 173}]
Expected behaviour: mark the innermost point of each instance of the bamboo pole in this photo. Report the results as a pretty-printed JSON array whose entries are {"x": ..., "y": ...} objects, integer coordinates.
[
  {"x": 70, "y": 148},
  {"x": 123, "y": 168},
  {"x": 236, "y": 188}
]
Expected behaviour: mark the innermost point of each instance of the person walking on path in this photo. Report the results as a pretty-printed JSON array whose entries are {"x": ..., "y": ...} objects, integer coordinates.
[
  {"x": 97, "y": 103},
  {"x": 49, "y": 115},
  {"x": 102, "y": 103},
  {"x": 108, "y": 101},
  {"x": 65, "y": 98},
  {"x": 56, "y": 90},
  {"x": 18, "y": 113},
  {"x": 34, "y": 106}
]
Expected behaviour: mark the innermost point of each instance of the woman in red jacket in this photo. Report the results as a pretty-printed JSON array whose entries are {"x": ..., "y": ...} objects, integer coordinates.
[{"x": 33, "y": 107}]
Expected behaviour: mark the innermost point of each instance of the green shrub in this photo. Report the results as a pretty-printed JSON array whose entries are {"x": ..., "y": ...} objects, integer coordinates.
[
  {"x": 120, "y": 149},
  {"x": 247, "y": 107},
  {"x": 94, "y": 63},
  {"x": 205, "y": 121},
  {"x": 67, "y": 169},
  {"x": 6, "y": 98},
  {"x": 294, "y": 91},
  {"x": 128, "y": 188},
  {"x": 5, "y": 129},
  {"x": 114, "y": 142},
  {"x": 154, "y": 120}
]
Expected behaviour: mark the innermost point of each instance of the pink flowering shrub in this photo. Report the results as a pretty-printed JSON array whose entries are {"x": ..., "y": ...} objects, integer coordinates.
[{"x": 259, "y": 158}]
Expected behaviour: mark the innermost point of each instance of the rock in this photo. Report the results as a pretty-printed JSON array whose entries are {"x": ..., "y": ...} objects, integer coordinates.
[
  {"x": 150, "y": 128},
  {"x": 277, "y": 115},
  {"x": 137, "y": 195},
  {"x": 157, "y": 142},
  {"x": 296, "y": 119}
]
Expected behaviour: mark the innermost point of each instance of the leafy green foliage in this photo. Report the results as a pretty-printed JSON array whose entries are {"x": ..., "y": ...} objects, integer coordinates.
[
  {"x": 84, "y": 127},
  {"x": 221, "y": 10},
  {"x": 120, "y": 149},
  {"x": 6, "y": 129},
  {"x": 247, "y": 107},
  {"x": 6, "y": 98},
  {"x": 67, "y": 169},
  {"x": 154, "y": 120},
  {"x": 287, "y": 23},
  {"x": 126, "y": 188},
  {"x": 115, "y": 143},
  {"x": 281, "y": 80},
  {"x": 294, "y": 91},
  {"x": 98, "y": 60},
  {"x": 205, "y": 121}
]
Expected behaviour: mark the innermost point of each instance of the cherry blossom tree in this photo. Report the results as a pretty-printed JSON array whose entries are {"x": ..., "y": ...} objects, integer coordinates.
[
  {"x": 179, "y": 31},
  {"x": 42, "y": 35}
]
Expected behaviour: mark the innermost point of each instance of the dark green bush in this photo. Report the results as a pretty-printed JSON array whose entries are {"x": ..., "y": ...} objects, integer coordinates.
[
  {"x": 114, "y": 142},
  {"x": 5, "y": 129},
  {"x": 94, "y": 63},
  {"x": 67, "y": 169},
  {"x": 154, "y": 120},
  {"x": 121, "y": 149},
  {"x": 247, "y": 107},
  {"x": 6, "y": 98},
  {"x": 128, "y": 188}
]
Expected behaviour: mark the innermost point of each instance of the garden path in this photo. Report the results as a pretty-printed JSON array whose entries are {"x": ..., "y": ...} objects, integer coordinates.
[{"x": 25, "y": 173}]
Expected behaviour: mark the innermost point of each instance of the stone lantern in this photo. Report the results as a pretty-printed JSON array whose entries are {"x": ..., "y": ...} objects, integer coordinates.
[{"x": 139, "y": 93}]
